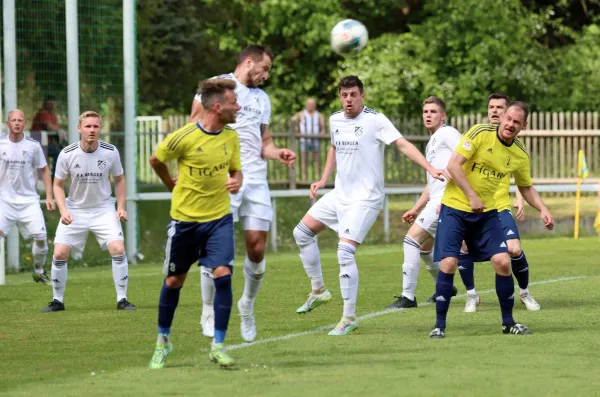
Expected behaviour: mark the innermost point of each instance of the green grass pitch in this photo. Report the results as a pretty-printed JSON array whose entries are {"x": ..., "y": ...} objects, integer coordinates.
[{"x": 93, "y": 350}]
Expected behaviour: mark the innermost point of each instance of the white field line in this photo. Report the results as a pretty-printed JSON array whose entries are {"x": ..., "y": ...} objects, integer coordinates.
[{"x": 381, "y": 313}]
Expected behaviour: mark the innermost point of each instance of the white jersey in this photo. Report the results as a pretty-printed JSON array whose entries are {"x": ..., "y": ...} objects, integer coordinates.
[
  {"x": 359, "y": 146},
  {"x": 19, "y": 162},
  {"x": 90, "y": 183},
  {"x": 440, "y": 147},
  {"x": 255, "y": 109}
]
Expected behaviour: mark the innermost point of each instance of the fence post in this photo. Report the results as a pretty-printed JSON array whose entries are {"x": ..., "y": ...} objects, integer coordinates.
[
  {"x": 292, "y": 147},
  {"x": 274, "y": 225},
  {"x": 386, "y": 219}
]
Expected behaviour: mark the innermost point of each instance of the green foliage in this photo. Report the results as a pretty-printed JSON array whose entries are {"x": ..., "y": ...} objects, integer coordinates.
[
  {"x": 461, "y": 51},
  {"x": 575, "y": 83}
]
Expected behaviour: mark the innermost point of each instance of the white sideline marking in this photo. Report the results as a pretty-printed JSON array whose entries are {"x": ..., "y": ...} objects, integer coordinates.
[{"x": 381, "y": 313}]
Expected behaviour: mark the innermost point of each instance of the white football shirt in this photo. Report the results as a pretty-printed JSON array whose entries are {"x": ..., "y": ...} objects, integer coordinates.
[
  {"x": 90, "y": 184},
  {"x": 440, "y": 147},
  {"x": 19, "y": 162},
  {"x": 255, "y": 109},
  {"x": 359, "y": 147}
]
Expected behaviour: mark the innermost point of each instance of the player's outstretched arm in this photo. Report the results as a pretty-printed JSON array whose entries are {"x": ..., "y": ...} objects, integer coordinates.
[
  {"x": 162, "y": 171},
  {"x": 47, "y": 179},
  {"x": 327, "y": 171},
  {"x": 121, "y": 196},
  {"x": 59, "y": 196},
  {"x": 410, "y": 215},
  {"x": 270, "y": 151},
  {"x": 533, "y": 199},
  {"x": 410, "y": 151},
  {"x": 460, "y": 179},
  {"x": 520, "y": 206}
]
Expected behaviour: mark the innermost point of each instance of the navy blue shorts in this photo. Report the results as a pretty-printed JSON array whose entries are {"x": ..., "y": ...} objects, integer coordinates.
[
  {"x": 482, "y": 233},
  {"x": 208, "y": 243},
  {"x": 509, "y": 226}
]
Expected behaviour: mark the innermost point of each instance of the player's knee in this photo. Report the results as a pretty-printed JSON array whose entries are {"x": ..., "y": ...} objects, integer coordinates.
[
  {"x": 116, "y": 248},
  {"x": 501, "y": 263},
  {"x": 345, "y": 254},
  {"x": 514, "y": 248},
  {"x": 449, "y": 265},
  {"x": 61, "y": 252},
  {"x": 2, "y": 235},
  {"x": 175, "y": 281},
  {"x": 303, "y": 235},
  {"x": 255, "y": 245},
  {"x": 221, "y": 271}
]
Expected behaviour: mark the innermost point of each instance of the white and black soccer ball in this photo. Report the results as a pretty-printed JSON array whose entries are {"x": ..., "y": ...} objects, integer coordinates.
[{"x": 349, "y": 36}]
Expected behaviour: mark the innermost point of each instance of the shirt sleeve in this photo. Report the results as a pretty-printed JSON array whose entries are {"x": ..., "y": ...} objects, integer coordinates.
[
  {"x": 386, "y": 131},
  {"x": 523, "y": 175},
  {"x": 173, "y": 146},
  {"x": 467, "y": 147},
  {"x": 62, "y": 166},
  {"x": 236, "y": 162},
  {"x": 39, "y": 160},
  {"x": 452, "y": 138},
  {"x": 117, "y": 167},
  {"x": 266, "y": 115}
]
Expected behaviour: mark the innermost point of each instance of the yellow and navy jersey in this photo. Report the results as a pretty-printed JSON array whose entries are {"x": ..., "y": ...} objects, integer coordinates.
[
  {"x": 204, "y": 160},
  {"x": 490, "y": 163}
]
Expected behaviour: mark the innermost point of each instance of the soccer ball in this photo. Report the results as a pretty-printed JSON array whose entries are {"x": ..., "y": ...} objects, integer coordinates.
[{"x": 349, "y": 36}]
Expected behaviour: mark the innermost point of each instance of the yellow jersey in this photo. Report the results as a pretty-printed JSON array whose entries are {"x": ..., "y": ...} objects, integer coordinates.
[
  {"x": 502, "y": 196},
  {"x": 204, "y": 160},
  {"x": 489, "y": 164}
]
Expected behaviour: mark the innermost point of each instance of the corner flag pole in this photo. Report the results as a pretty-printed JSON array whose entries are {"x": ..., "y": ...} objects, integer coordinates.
[{"x": 581, "y": 173}]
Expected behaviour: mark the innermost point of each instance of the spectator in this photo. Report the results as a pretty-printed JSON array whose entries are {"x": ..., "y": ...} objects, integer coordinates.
[
  {"x": 310, "y": 122},
  {"x": 47, "y": 120}
]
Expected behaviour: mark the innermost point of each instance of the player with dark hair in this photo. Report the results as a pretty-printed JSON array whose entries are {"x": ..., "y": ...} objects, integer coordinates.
[
  {"x": 252, "y": 204},
  {"x": 358, "y": 139},
  {"x": 201, "y": 229}
]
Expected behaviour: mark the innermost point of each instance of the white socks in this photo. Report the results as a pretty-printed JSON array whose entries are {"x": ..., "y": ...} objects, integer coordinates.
[
  {"x": 39, "y": 251},
  {"x": 410, "y": 268},
  {"x": 348, "y": 278},
  {"x": 207, "y": 287},
  {"x": 309, "y": 255},
  {"x": 59, "y": 278},
  {"x": 253, "y": 277},
  {"x": 120, "y": 276},
  {"x": 432, "y": 267}
]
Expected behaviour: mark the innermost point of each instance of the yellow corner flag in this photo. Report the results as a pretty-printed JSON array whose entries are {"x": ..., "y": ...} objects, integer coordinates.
[
  {"x": 582, "y": 167},
  {"x": 582, "y": 173},
  {"x": 597, "y": 222}
]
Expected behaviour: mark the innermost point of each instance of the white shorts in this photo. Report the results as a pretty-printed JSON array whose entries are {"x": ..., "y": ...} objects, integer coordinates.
[
  {"x": 428, "y": 218},
  {"x": 252, "y": 205},
  {"x": 28, "y": 218},
  {"x": 103, "y": 223},
  {"x": 348, "y": 221}
]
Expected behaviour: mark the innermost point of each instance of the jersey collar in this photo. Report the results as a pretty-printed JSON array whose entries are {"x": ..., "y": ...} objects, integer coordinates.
[
  {"x": 501, "y": 141},
  {"x": 207, "y": 132}
]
